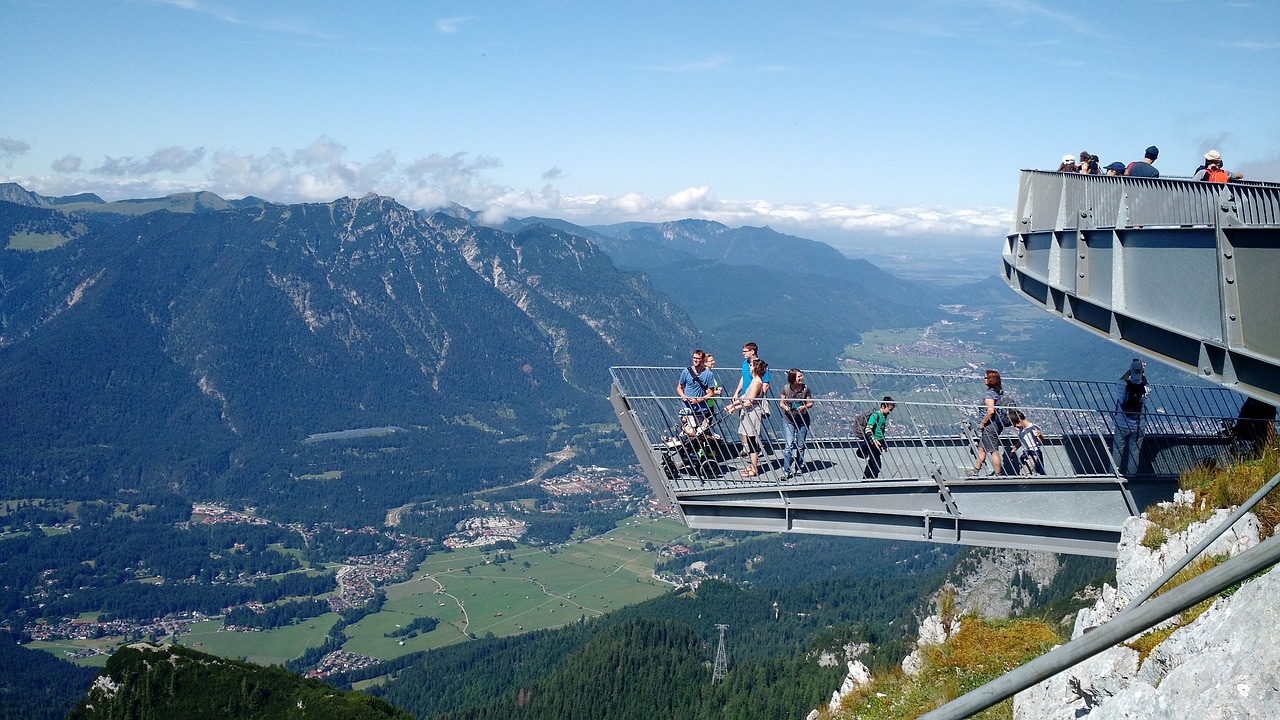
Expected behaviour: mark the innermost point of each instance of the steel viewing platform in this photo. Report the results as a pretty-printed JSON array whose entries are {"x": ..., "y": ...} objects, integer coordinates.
[
  {"x": 1181, "y": 270},
  {"x": 923, "y": 493}
]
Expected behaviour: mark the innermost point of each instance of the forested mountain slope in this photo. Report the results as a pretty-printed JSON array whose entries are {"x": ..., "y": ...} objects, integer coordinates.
[{"x": 196, "y": 351}]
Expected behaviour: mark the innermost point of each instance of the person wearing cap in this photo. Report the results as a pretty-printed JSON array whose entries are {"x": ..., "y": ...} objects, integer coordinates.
[
  {"x": 1212, "y": 171},
  {"x": 1130, "y": 396},
  {"x": 1115, "y": 168},
  {"x": 1146, "y": 166},
  {"x": 1068, "y": 164}
]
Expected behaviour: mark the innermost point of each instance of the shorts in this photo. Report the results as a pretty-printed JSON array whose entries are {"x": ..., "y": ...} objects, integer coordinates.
[
  {"x": 750, "y": 424},
  {"x": 990, "y": 438}
]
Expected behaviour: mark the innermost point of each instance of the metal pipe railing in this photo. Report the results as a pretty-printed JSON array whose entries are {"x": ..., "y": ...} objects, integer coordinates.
[
  {"x": 1117, "y": 630},
  {"x": 1208, "y": 540}
]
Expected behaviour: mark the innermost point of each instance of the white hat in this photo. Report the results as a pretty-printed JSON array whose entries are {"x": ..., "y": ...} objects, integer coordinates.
[
  {"x": 1212, "y": 155},
  {"x": 1068, "y": 158}
]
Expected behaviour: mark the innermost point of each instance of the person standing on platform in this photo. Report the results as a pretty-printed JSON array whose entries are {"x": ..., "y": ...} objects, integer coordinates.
[
  {"x": 795, "y": 403},
  {"x": 876, "y": 424},
  {"x": 694, "y": 387},
  {"x": 1031, "y": 439},
  {"x": 750, "y": 424},
  {"x": 989, "y": 427},
  {"x": 1131, "y": 394},
  {"x": 1146, "y": 166}
]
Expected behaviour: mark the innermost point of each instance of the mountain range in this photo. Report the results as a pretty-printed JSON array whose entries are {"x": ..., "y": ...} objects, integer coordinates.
[
  {"x": 800, "y": 299},
  {"x": 190, "y": 345},
  {"x": 194, "y": 346}
]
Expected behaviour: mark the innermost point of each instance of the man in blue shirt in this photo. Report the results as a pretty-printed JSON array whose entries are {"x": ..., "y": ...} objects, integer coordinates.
[
  {"x": 695, "y": 386},
  {"x": 1146, "y": 166},
  {"x": 748, "y": 355}
]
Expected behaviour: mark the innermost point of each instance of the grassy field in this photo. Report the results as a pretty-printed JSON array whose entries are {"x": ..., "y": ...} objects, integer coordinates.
[
  {"x": 36, "y": 241},
  {"x": 467, "y": 597},
  {"x": 470, "y": 598},
  {"x": 269, "y": 647}
]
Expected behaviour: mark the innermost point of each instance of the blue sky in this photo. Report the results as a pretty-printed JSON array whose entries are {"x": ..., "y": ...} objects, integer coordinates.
[{"x": 905, "y": 118}]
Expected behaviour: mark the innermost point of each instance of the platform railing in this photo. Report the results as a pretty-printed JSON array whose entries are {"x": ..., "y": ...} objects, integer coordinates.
[
  {"x": 928, "y": 433},
  {"x": 1180, "y": 270}
]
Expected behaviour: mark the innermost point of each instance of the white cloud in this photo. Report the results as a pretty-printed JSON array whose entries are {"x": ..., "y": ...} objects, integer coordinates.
[
  {"x": 322, "y": 171},
  {"x": 67, "y": 164},
  {"x": 10, "y": 148},
  {"x": 171, "y": 159},
  {"x": 449, "y": 26}
]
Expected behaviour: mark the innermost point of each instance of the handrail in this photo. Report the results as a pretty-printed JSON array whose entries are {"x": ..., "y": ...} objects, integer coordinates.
[
  {"x": 1205, "y": 543},
  {"x": 1119, "y": 628},
  {"x": 924, "y": 435}
]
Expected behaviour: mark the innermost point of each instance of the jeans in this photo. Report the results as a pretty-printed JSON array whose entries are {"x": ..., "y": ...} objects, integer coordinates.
[
  {"x": 873, "y": 460},
  {"x": 1124, "y": 449},
  {"x": 796, "y": 437}
]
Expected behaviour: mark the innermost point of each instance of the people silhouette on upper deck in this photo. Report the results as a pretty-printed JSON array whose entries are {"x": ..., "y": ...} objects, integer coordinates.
[
  {"x": 1212, "y": 171},
  {"x": 1146, "y": 166},
  {"x": 1115, "y": 168},
  {"x": 1088, "y": 164},
  {"x": 1068, "y": 164}
]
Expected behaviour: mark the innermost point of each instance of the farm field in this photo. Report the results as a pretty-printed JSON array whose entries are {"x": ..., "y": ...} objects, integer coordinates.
[
  {"x": 532, "y": 590},
  {"x": 269, "y": 647}
]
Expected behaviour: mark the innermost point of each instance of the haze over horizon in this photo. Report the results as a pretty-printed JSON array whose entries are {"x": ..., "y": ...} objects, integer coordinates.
[{"x": 909, "y": 120}]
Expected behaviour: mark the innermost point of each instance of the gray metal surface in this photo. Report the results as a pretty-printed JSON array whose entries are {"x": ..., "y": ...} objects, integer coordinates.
[
  {"x": 922, "y": 492},
  {"x": 1181, "y": 270}
]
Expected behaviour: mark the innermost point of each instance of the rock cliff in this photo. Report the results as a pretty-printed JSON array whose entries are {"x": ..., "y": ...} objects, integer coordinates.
[{"x": 1223, "y": 664}]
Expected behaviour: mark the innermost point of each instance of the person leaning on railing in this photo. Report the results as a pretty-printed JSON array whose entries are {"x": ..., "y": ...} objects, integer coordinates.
[{"x": 1211, "y": 170}]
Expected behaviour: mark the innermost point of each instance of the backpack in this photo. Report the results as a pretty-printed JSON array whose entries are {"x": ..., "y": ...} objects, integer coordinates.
[
  {"x": 1217, "y": 175},
  {"x": 1001, "y": 415},
  {"x": 860, "y": 424},
  {"x": 1132, "y": 403}
]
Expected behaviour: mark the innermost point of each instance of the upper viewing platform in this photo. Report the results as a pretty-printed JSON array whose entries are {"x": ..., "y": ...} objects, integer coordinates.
[{"x": 1182, "y": 270}]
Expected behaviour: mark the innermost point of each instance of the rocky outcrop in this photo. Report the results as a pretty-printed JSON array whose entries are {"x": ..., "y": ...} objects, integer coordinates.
[
  {"x": 857, "y": 677},
  {"x": 932, "y": 631},
  {"x": 1224, "y": 664},
  {"x": 986, "y": 584}
]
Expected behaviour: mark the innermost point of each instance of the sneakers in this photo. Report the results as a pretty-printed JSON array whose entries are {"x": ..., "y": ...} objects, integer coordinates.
[{"x": 973, "y": 472}]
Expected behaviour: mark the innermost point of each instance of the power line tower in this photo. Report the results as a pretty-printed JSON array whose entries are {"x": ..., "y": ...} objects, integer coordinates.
[{"x": 722, "y": 660}]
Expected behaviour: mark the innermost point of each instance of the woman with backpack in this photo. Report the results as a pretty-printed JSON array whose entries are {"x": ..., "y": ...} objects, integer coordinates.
[
  {"x": 989, "y": 427},
  {"x": 1130, "y": 394}
]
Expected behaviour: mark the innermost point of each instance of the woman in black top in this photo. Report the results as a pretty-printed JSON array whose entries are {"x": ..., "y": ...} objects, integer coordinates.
[{"x": 795, "y": 403}]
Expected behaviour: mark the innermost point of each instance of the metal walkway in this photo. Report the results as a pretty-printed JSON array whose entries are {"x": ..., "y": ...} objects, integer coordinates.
[
  {"x": 922, "y": 493},
  {"x": 1181, "y": 270}
]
